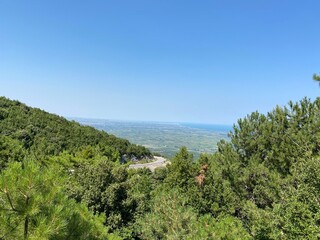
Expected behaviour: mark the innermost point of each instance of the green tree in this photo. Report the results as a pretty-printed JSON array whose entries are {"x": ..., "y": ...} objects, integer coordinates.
[
  {"x": 172, "y": 218},
  {"x": 33, "y": 206},
  {"x": 211, "y": 191},
  {"x": 299, "y": 212},
  {"x": 261, "y": 164},
  {"x": 10, "y": 150},
  {"x": 316, "y": 77},
  {"x": 108, "y": 188},
  {"x": 181, "y": 171}
]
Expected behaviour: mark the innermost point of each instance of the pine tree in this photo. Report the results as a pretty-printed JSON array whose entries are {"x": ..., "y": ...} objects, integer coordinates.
[{"x": 33, "y": 206}]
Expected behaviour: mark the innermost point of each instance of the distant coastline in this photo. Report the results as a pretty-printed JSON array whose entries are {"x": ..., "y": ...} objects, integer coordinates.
[
  {"x": 209, "y": 127},
  {"x": 205, "y": 126},
  {"x": 164, "y": 138}
]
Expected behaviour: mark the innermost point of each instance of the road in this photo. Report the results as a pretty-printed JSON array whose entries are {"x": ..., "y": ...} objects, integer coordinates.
[{"x": 159, "y": 162}]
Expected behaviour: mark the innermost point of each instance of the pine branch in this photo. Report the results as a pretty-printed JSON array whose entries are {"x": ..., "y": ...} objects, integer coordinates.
[{"x": 9, "y": 199}]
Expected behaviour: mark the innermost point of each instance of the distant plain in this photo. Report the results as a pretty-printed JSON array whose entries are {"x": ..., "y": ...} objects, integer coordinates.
[{"x": 164, "y": 138}]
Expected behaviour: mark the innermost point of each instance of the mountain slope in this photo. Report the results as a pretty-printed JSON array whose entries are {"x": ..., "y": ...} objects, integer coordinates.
[{"x": 46, "y": 134}]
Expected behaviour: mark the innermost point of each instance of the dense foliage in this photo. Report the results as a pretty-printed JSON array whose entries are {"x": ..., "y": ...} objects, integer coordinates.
[
  {"x": 33, "y": 205},
  {"x": 60, "y": 180},
  {"x": 42, "y": 134}
]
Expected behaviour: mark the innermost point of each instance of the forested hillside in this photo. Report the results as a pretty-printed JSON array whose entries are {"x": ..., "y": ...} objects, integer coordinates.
[
  {"x": 60, "y": 180},
  {"x": 42, "y": 134}
]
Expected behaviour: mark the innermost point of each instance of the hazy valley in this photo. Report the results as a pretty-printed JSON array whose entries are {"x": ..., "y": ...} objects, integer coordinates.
[{"x": 164, "y": 138}]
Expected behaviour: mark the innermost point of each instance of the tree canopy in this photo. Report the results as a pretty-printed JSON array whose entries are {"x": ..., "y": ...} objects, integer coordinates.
[
  {"x": 61, "y": 180},
  {"x": 42, "y": 134}
]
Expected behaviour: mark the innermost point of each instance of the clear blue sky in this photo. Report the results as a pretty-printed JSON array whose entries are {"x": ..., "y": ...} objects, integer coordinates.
[{"x": 169, "y": 60}]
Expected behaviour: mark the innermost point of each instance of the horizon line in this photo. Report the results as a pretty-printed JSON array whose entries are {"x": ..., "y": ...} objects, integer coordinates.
[{"x": 147, "y": 121}]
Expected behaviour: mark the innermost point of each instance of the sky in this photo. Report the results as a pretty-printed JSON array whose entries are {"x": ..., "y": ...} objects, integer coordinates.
[{"x": 169, "y": 60}]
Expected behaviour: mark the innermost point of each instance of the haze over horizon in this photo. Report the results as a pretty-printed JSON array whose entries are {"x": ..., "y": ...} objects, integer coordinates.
[{"x": 181, "y": 61}]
